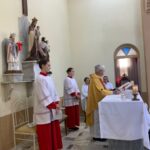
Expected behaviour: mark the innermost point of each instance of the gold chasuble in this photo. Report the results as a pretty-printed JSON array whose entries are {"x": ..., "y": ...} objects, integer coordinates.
[{"x": 96, "y": 93}]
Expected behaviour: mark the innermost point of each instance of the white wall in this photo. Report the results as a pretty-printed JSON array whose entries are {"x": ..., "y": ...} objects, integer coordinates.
[
  {"x": 146, "y": 30},
  {"x": 98, "y": 27},
  {"x": 53, "y": 20},
  {"x": 10, "y": 12}
]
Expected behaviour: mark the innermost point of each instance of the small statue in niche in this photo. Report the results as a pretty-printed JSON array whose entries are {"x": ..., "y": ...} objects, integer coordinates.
[
  {"x": 33, "y": 46},
  {"x": 43, "y": 49},
  {"x": 13, "y": 55}
]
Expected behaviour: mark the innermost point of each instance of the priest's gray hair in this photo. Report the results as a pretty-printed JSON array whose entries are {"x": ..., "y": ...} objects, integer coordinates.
[{"x": 99, "y": 68}]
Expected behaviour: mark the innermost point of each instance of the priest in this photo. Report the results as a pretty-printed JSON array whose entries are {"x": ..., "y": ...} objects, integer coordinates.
[{"x": 96, "y": 93}]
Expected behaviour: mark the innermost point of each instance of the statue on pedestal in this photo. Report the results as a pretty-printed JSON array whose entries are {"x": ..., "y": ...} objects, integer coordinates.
[
  {"x": 37, "y": 49},
  {"x": 33, "y": 46},
  {"x": 12, "y": 56}
]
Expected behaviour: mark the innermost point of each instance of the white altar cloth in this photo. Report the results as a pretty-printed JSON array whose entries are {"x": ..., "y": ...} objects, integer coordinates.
[{"x": 124, "y": 119}]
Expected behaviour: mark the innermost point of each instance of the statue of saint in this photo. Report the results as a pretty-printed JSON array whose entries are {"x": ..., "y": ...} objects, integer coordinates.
[
  {"x": 12, "y": 56},
  {"x": 33, "y": 34}
]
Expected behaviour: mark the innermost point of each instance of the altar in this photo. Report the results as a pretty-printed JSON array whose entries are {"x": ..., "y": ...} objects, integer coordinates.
[{"x": 124, "y": 122}]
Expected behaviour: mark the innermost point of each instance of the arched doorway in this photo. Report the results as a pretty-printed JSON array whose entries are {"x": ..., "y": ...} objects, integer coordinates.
[{"x": 126, "y": 58}]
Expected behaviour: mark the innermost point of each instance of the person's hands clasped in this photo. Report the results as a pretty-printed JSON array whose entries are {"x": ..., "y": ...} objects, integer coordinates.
[
  {"x": 57, "y": 108},
  {"x": 78, "y": 96}
]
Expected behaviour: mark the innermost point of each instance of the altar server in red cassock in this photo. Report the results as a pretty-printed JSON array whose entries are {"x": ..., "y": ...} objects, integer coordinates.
[
  {"x": 71, "y": 100},
  {"x": 46, "y": 108}
]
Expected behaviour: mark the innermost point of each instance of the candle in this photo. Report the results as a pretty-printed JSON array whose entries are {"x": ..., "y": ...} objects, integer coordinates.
[
  {"x": 135, "y": 89},
  {"x": 132, "y": 83}
]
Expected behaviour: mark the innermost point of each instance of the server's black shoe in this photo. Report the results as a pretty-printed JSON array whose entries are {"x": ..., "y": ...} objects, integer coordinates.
[{"x": 99, "y": 139}]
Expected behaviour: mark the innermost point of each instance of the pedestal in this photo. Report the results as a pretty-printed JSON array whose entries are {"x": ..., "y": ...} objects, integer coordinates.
[
  {"x": 30, "y": 69},
  {"x": 13, "y": 77},
  {"x": 9, "y": 87}
]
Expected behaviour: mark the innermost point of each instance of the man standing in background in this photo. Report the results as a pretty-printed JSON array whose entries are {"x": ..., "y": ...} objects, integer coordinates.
[
  {"x": 107, "y": 83},
  {"x": 84, "y": 95}
]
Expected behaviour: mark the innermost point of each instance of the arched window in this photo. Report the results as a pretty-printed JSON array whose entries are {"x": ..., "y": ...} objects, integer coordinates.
[
  {"x": 126, "y": 51},
  {"x": 126, "y": 59}
]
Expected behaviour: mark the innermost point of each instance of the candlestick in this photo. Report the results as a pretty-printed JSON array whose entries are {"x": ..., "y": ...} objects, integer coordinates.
[
  {"x": 135, "y": 89},
  {"x": 135, "y": 92}
]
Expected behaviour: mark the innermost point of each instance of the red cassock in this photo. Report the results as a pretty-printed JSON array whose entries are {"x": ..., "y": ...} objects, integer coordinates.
[
  {"x": 48, "y": 127},
  {"x": 73, "y": 114},
  {"x": 49, "y": 136},
  {"x": 71, "y": 102}
]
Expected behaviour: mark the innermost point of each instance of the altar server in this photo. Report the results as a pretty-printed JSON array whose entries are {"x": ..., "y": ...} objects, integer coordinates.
[
  {"x": 71, "y": 100},
  {"x": 46, "y": 109},
  {"x": 84, "y": 95},
  {"x": 107, "y": 83}
]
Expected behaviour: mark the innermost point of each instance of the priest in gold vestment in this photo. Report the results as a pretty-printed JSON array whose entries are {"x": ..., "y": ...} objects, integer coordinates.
[{"x": 96, "y": 93}]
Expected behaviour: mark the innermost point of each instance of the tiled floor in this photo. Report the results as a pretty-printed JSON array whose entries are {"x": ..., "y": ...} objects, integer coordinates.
[
  {"x": 75, "y": 140},
  {"x": 81, "y": 140}
]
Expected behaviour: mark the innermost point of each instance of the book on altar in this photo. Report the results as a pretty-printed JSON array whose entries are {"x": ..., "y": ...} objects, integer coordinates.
[{"x": 125, "y": 86}]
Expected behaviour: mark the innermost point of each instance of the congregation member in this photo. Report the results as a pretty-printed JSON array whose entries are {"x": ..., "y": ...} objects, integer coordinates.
[
  {"x": 71, "y": 100},
  {"x": 84, "y": 95},
  {"x": 46, "y": 109},
  {"x": 107, "y": 83},
  {"x": 96, "y": 93}
]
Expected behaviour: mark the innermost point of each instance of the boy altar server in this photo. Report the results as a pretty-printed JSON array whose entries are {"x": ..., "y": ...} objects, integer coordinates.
[{"x": 46, "y": 108}]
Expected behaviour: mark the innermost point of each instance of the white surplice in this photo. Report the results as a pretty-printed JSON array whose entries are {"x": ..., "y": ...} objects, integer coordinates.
[
  {"x": 84, "y": 94},
  {"x": 109, "y": 86},
  {"x": 70, "y": 86},
  {"x": 45, "y": 94}
]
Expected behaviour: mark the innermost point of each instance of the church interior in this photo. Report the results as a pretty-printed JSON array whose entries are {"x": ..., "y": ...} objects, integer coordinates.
[{"x": 79, "y": 34}]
